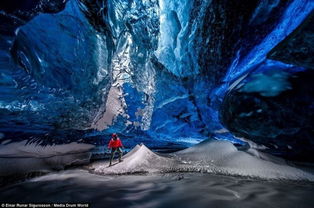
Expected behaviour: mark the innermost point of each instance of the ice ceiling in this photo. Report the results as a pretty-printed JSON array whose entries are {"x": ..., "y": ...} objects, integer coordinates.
[{"x": 167, "y": 70}]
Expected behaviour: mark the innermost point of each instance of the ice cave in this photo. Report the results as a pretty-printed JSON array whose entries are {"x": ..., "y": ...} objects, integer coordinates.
[{"x": 213, "y": 101}]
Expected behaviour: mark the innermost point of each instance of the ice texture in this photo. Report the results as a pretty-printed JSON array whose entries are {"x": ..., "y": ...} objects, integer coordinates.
[
  {"x": 22, "y": 158},
  {"x": 157, "y": 69}
]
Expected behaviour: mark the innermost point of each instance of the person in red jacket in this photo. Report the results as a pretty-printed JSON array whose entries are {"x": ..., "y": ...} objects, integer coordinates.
[{"x": 115, "y": 145}]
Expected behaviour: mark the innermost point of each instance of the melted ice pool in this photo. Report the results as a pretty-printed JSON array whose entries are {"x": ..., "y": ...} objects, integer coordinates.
[{"x": 160, "y": 190}]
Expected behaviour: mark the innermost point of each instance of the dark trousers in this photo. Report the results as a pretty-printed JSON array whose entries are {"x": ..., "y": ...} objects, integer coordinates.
[{"x": 113, "y": 151}]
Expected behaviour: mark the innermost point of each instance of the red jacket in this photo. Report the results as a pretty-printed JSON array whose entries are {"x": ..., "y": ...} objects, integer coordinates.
[{"x": 115, "y": 143}]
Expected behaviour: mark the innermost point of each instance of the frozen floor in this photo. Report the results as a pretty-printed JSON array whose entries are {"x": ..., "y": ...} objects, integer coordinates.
[
  {"x": 160, "y": 190},
  {"x": 209, "y": 156},
  {"x": 209, "y": 174}
]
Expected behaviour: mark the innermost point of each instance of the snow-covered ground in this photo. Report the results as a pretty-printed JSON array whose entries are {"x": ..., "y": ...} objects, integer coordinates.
[
  {"x": 174, "y": 180},
  {"x": 139, "y": 160},
  {"x": 209, "y": 156}
]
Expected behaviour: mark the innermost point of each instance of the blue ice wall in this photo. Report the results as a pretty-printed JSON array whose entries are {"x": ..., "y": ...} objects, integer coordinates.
[
  {"x": 293, "y": 16},
  {"x": 152, "y": 69},
  {"x": 55, "y": 69}
]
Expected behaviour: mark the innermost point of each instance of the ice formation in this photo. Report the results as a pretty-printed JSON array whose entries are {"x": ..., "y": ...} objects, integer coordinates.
[
  {"x": 162, "y": 71},
  {"x": 22, "y": 158}
]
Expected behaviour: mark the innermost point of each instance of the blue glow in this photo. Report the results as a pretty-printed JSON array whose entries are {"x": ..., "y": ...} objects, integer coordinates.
[
  {"x": 297, "y": 11},
  {"x": 137, "y": 68}
]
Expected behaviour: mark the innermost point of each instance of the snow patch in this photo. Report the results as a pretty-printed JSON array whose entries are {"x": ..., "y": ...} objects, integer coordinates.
[{"x": 139, "y": 160}]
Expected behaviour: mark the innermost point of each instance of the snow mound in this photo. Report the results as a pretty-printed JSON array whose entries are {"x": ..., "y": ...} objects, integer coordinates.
[
  {"x": 21, "y": 158},
  {"x": 219, "y": 157},
  {"x": 139, "y": 160},
  {"x": 223, "y": 157}
]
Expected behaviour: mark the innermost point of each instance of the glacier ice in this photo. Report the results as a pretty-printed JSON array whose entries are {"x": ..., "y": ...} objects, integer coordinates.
[
  {"x": 271, "y": 114},
  {"x": 154, "y": 69},
  {"x": 268, "y": 84},
  {"x": 22, "y": 158}
]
